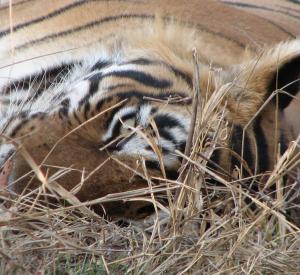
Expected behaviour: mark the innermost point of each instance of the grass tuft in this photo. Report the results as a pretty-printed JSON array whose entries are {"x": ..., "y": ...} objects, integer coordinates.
[{"x": 209, "y": 225}]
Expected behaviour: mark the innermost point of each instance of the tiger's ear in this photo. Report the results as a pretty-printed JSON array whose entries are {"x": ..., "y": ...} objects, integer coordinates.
[{"x": 273, "y": 70}]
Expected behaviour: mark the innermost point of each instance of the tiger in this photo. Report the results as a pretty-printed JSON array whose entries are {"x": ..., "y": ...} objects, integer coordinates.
[{"x": 105, "y": 90}]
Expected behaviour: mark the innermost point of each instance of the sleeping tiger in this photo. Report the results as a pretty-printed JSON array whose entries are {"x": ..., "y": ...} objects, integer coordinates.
[{"x": 95, "y": 92}]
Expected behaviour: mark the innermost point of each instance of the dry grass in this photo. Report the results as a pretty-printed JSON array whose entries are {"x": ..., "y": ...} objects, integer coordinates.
[{"x": 207, "y": 228}]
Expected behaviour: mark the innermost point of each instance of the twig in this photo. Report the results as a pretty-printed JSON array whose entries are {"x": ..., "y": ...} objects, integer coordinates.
[{"x": 196, "y": 103}]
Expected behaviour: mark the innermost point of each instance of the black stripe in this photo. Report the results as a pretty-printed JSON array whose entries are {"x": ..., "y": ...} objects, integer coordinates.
[
  {"x": 44, "y": 17},
  {"x": 143, "y": 97},
  {"x": 112, "y": 114},
  {"x": 152, "y": 164},
  {"x": 288, "y": 8},
  {"x": 164, "y": 95},
  {"x": 100, "y": 65},
  {"x": 141, "y": 77},
  {"x": 178, "y": 73},
  {"x": 39, "y": 115},
  {"x": 170, "y": 173},
  {"x": 163, "y": 150},
  {"x": 23, "y": 114},
  {"x": 240, "y": 44},
  {"x": 163, "y": 124},
  {"x": 94, "y": 87},
  {"x": 141, "y": 61},
  {"x": 215, "y": 157},
  {"x": 283, "y": 143},
  {"x": 181, "y": 146},
  {"x": 99, "y": 104},
  {"x": 140, "y": 95},
  {"x": 120, "y": 17},
  {"x": 117, "y": 127},
  {"x": 117, "y": 86},
  {"x": 244, "y": 5},
  {"x": 145, "y": 79},
  {"x": 186, "y": 77},
  {"x": 164, "y": 133},
  {"x": 65, "y": 105},
  {"x": 15, "y": 4},
  {"x": 47, "y": 16},
  {"x": 247, "y": 5},
  {"x": 40, "y": 82},
  {"x": 118, "y": 145},
  {"x": 22, "y": 123},
  {"x": 248, "y": 154},
  {"x": 262, "y": 146},
  {"x": 287, "y": 73},
  {"x": 146, "y": 210},
  {"x": 84, "y": 27},
  {"x": 87, "y": 108},
  {"x": 76, "y": 117},
  {"x": 297, "y": 2},
  {"x": 98, "y": 22},
  {"x": 164, "y": 120},
  {"x": 278, "y": 27},
  {"x": 236, "y": 145},
  {"x": 18, "y": 128}
]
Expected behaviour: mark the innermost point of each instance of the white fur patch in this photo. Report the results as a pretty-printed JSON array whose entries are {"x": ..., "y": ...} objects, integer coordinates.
[{"x": 144, "y": 114}]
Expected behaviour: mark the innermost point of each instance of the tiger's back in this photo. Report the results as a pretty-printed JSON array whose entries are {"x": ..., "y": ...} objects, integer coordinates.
[
  {"x": 89, "y": 75},
  {"x": 64, "y": 25}
]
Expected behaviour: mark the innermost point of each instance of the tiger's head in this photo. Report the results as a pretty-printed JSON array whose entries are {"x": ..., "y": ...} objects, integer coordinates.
[{"x": 96, "y": 124}]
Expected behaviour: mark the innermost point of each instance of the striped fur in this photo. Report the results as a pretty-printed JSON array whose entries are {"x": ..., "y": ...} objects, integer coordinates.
[
  {"x": 285, "y": 17},
  {"x": 96, "y": 83}
]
